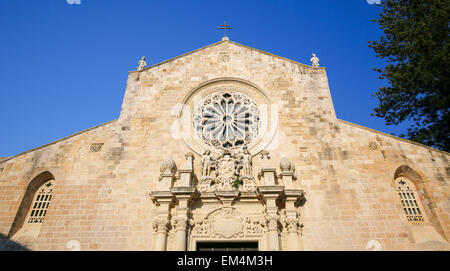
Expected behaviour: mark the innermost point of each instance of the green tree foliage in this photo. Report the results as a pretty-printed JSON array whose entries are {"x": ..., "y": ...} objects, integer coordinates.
[{"x": 415, "y": 46}]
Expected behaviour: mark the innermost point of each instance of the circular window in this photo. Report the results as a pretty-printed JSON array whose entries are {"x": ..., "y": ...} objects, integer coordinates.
[{"x": 226, "y": 120}]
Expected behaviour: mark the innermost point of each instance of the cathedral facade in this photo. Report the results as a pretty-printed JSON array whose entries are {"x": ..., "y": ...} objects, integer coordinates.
[{"x": 227, "y": 148}]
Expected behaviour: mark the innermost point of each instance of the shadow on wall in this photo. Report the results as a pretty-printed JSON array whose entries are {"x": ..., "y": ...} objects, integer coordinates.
[{"x": 6, "y": 244}]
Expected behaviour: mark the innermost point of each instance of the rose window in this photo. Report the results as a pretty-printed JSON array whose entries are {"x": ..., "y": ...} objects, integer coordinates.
[{"x": 226, "y": 120}]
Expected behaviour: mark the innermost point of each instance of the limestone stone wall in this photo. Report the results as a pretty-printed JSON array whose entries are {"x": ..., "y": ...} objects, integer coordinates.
[{"x": 347, "y": 171}]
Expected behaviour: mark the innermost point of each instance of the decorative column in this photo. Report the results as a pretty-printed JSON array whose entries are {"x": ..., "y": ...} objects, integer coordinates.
[
  {"x": 161, "y": 226},
  {"x": 292, "y": 226},
  {"x": 271, "y": 195},
  {"x": 272, "y": 225},
  {"x": 189, "y": 161},
  {"x": 183, "y": 193},
  {"x": 183, "y": 197},
  {"x": 180, "y": 224},
  {"x": 270, "y": 192},
  {"x": 163, "y": 199},
  {"x": 292, "y": 200}
]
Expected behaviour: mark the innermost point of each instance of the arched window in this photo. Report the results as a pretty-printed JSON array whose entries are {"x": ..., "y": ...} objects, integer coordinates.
[
  {"x": 40, "y": 203},
  {"x": 34, "y": 206},
  {"x": 409, "y": 199}
]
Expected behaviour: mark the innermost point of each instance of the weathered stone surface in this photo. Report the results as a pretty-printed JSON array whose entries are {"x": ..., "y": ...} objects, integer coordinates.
[{"x": 347, "y": 171}]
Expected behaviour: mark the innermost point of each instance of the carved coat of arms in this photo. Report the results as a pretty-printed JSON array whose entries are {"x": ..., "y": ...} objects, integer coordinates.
[{"x": 226, "y": 172}]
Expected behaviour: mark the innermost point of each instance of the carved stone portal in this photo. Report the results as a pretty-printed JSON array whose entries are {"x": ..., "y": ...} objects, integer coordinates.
[
  {"x": 177, "y": 227},
  {"x": 227, "y": 223}
]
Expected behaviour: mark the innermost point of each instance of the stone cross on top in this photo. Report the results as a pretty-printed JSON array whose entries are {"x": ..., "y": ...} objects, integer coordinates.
[{"x": 225, "y": 26}]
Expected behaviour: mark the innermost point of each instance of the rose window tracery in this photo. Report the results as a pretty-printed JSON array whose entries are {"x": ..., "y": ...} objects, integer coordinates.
[{"x": 227, "y": 120}]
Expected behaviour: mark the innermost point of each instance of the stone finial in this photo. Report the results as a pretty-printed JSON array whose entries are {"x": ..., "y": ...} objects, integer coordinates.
[
  {"x": 168, "y": 166},
  {"x": 189, "y": 154},
  {"x": 286, "y": 166},
  {"x": 315, "y": 60},
  {"x": 189, "y": 160},
  {"x": 142, "y": 64}
]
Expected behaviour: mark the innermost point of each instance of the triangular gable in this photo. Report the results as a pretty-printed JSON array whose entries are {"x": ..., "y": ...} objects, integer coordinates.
[{"x": 232, "y": 42}]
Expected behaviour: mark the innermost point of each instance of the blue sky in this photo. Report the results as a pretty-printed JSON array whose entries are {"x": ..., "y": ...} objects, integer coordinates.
[{"x": 64, "y": 67}]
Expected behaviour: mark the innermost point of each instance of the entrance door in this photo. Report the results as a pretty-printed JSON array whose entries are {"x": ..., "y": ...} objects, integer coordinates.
[{"x": 227, "y": 246}]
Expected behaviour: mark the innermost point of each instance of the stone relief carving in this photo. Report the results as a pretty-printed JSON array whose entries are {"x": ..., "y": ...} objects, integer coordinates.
[
  {"x": 220, "y": 173},
  {"x": 293, "y": 225},
  {"x": 227, "y": 167},
  {"x": 227, "y": 223},
  {"x": 226, "y": 172},
  {"x": 179, "y": 224},
  {"x": 161, "y": 226},
  {"x": 272, "y": 222},
  {"x": 224, "y": 57},
  {"x": 373, "y": 146},
  {"x": 255, "y": 226},
  {"x": 96, "y": 147},
  {"x": 202, "y": 227}
]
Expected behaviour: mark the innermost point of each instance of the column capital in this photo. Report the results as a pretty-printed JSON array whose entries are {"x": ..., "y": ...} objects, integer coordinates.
[
  {"x": 180, "y": 223},
  {"x": 292, "y": 225},
  {"x": 270, "y": 218},
  {"x": 161, "y": 226}
]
